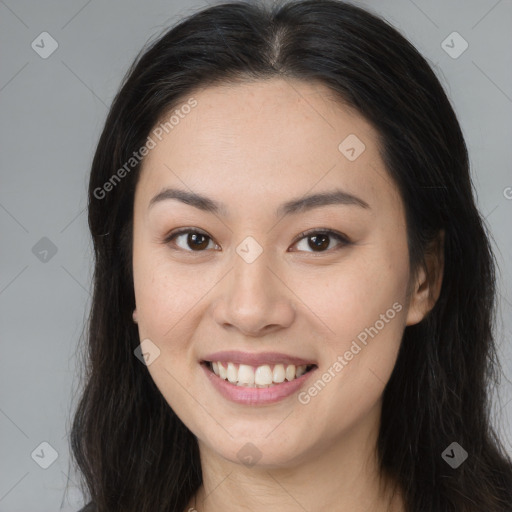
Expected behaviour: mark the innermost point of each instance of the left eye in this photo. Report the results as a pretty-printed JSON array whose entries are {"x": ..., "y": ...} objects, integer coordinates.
[
  {"x": 319, "y": 240},
  {"x": 195, "y": 239},
  {"x": 198, "y": 241}
]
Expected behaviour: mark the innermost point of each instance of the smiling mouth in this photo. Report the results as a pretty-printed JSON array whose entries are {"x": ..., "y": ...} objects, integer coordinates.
[{"x": 264, "y": 376}]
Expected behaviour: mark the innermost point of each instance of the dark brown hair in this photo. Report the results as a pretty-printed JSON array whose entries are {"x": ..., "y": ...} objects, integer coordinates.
[{"x": 134, "y": 453}]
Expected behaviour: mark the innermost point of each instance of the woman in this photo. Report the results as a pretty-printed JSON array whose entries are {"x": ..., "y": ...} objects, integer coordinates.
[{"x": 293, "y": 289}]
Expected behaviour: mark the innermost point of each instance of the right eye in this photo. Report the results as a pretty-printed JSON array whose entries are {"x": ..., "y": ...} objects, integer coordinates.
[{"x": 196, "y": 240}]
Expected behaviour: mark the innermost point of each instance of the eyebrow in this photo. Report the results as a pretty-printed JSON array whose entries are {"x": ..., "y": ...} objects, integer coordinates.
[{"x": 334, "y": 197}]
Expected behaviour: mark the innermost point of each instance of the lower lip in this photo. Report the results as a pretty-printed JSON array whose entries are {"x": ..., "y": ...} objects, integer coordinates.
[{"x": 255, "y": 396}]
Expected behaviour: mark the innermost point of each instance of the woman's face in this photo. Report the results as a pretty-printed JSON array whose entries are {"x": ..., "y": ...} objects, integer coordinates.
[{"x": 246, "y": 288}]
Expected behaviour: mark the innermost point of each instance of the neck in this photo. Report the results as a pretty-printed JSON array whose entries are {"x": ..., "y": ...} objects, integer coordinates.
[{"x": 340, "y": 474}]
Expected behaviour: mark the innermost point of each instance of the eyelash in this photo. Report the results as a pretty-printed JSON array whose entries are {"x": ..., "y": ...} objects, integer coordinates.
[{"x": 333, "y": 234}]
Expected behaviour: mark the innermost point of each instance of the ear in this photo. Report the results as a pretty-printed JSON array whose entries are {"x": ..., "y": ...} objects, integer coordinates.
[
  {"x": 427, "y": 284},
  {"x": 134, "y": 315}
]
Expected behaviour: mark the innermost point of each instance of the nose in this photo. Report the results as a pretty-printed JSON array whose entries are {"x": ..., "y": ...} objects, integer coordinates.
[{"x": 254, "y": 299}]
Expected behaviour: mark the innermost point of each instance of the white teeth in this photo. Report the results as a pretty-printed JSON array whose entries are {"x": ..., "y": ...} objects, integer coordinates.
[
  {"x": 290, "y": 372},
  {"x": 222, "y": 371},
  {"x": 246, "y": 375},
  {"x": 260, "y": 377},
  {"x": 301, "y": 370},
  {"x": 263, "y": 375},
  {"x": 232, "y": 373},
  {"x": 279, "y": 373}
]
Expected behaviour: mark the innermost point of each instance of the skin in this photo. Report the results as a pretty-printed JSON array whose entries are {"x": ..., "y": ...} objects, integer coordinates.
[{"x": 254, "y": 146}]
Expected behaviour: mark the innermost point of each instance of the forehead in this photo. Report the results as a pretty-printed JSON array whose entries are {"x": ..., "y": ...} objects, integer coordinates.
[{"x": 264, "y": 140}]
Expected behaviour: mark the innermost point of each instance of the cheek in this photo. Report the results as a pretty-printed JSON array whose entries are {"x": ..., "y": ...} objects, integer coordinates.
[
  {"x": 171, "y": 300},
  {"x": 165, "y": 302},
  {"x": 363, "y": 305},
  {"x": 161, "y": 294},
  {"x": 354, "y": 296}
]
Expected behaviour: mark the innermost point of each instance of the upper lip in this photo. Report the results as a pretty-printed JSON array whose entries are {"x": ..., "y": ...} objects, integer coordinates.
[{"x": 258, "y": 359}]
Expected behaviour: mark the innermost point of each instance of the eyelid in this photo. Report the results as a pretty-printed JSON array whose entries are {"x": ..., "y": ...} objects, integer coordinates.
[
  {"x": 342, "y": 238},
  {"x": 181, "y": 231},
  {"x": 322, "y": 231}
]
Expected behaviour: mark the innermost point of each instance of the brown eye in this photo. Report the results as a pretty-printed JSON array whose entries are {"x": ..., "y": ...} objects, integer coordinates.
[
  {"x": 319, "y": 241},
  {"x": 195, "y": 241}
]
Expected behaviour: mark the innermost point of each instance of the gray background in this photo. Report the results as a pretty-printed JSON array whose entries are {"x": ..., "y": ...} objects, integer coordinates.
[{"x": 52, "y": 111}]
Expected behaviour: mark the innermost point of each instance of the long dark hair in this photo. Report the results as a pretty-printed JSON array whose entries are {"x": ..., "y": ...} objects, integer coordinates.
[{"x": 133, "y": 452}]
